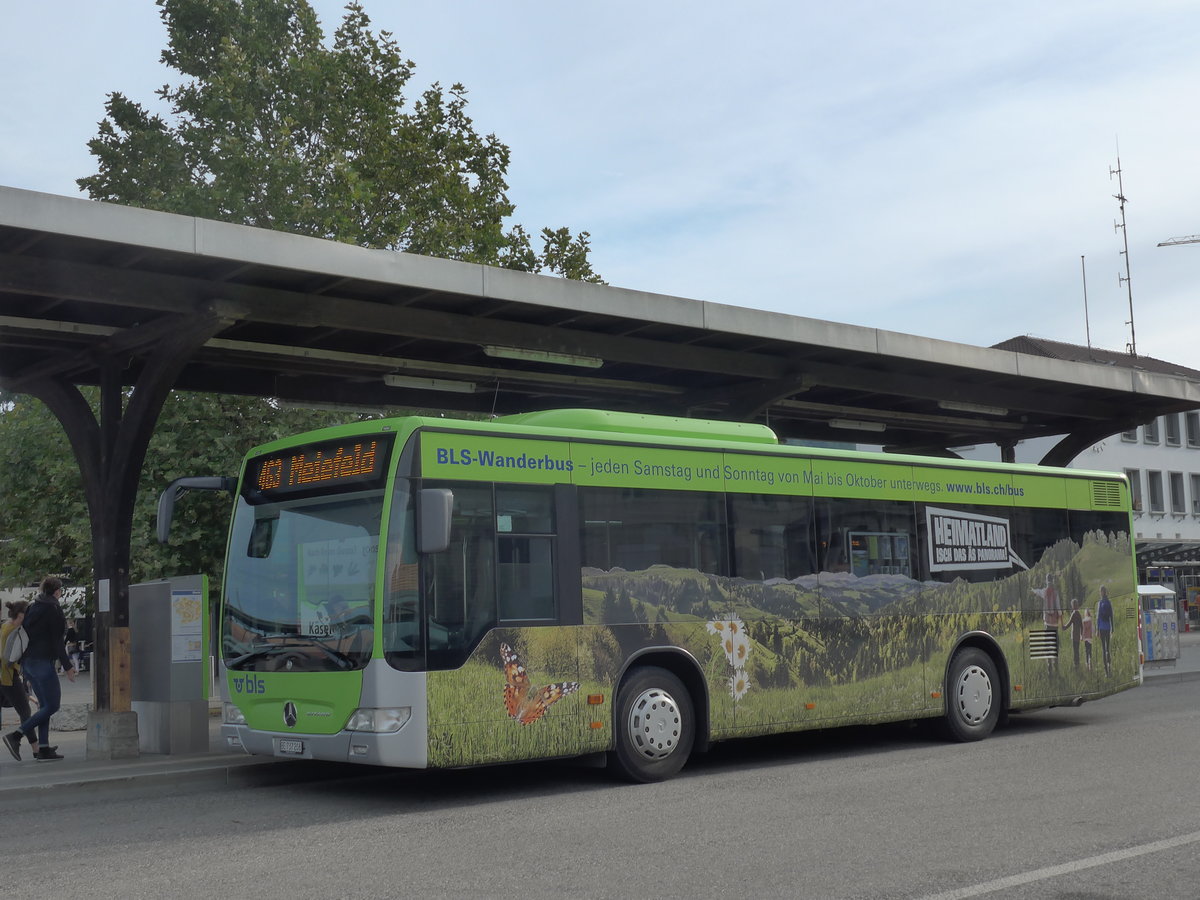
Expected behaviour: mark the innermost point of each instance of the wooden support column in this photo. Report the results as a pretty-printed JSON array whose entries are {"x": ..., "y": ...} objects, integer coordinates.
[
  {"x": 110, "y": 451},
  {"x": 119, "y": 670}
]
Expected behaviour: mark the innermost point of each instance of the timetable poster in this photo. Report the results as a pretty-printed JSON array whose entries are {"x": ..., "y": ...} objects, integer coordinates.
[{"x": 187, "y": 626}]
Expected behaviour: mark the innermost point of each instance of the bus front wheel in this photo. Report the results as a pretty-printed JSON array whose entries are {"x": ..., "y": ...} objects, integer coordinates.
[
  {"x": 972, "y": 696},
  {"x": 654, "y": 725}
]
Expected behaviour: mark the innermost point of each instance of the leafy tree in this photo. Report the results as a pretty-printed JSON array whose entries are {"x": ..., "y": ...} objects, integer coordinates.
[
  {"x": 624, "y": 605},
  {"x": 44, "y": 519},
  {"x": 1073, "y": 586},
  {"x": 275, "y": 126},
  {"x": 639, "y": 614},
  {"x": 278, "y": 128},
  {"x": 608, "y": 608},
  {"x": 689, "y": 594}
]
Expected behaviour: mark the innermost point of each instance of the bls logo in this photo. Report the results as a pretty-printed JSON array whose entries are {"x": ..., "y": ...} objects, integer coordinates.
[
  {"x": 244, "y": 685},
  {"x": 450, "y": 457}
]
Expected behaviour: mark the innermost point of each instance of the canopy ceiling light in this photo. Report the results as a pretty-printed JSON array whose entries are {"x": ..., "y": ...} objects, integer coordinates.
[
  {"x": 543, "y": 356},
  {"x": 430, "y": 384},
  {"x": 857, "y": 425},
  {"x": 981, "y": 408}
]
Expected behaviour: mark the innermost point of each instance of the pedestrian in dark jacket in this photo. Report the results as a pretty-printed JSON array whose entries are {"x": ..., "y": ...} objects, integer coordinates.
[
  {"x": 12, "y": 683},
  {"x": 47, "y": 629}
]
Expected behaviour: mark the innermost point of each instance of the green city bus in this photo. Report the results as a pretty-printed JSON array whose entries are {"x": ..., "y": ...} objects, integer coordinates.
[{"x": 427, "y": 592}]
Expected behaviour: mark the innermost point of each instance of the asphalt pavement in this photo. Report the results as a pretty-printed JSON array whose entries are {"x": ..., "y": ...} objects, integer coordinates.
[{"x": 219, "y": 765}]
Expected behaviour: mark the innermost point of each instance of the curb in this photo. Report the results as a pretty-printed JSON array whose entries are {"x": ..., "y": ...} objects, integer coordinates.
[
  {"x": 1169, "y": 677},
  {"x": 174, "y": 778}
]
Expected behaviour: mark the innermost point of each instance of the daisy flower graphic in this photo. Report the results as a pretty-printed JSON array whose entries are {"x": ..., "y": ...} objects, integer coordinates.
[
  {"x": 730, "y": 625},
  {"x": 719, "y": 626},
  {"x": 736, "y": 644},
  {"x": 739, "y": 684},
  {"x": 738, "y": 650}
]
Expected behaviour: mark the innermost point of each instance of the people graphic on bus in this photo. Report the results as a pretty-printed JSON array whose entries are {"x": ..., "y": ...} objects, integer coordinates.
[
  {"x": 1051, "y": 614},
  {"x": 1075, "y": 623},
  {"x": 1088, "y": 628},
  {"x": 1104, "y": 625}
]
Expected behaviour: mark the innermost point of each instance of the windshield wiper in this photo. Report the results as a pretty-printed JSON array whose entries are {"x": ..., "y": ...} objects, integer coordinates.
[{"x": 263, "y": 651}]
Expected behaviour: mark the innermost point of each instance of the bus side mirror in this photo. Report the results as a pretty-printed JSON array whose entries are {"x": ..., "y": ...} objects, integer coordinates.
[
  {"x": 179, "y": 487},
  {"x": 434, "y": 509}
]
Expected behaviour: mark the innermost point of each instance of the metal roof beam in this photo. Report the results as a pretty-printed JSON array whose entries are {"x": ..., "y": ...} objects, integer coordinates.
[
  {"x": 895, "y": 383},
  {"x": 276, "y": 306}
]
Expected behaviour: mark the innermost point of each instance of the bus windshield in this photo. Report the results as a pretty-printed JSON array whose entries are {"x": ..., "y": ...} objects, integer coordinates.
[{"x": 300, "y": 582}]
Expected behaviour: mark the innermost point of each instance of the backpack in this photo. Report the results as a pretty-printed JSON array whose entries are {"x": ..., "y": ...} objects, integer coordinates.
[
  {"x": 16, "y": 645},
  {"x": 18, "y": 642}
]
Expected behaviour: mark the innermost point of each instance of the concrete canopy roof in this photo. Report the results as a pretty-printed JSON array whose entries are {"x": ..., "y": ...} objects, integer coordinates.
[{"x": 312, "y": 320}]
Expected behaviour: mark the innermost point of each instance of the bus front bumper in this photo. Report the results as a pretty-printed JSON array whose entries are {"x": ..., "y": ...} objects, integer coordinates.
[{"x": 404, "y": 748}]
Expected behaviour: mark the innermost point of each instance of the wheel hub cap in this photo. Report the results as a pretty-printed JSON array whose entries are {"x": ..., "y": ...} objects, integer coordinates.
[
  {"x": 974, "y": 695},
  {"x": 654, "y": 724}
]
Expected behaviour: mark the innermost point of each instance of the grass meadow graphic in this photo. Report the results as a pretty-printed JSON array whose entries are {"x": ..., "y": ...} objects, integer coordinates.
[{"x": 816, "y": 651}]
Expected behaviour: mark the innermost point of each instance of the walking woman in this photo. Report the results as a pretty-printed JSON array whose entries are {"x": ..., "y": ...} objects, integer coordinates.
[
  {"x": 47, "y": 629},
  {"x": 12, "y": 683}
]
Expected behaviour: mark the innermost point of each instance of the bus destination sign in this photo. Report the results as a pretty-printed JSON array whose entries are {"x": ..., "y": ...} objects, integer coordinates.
[{"x": 354, "y": 463}]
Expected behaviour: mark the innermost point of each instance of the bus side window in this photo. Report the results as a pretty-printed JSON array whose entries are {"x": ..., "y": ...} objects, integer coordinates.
[
  {"x": 525, "y": 544},
  {"x": 772, "y": 536},
  {"x": 525, "y": 579},
  {"x": 639, "y": 528},
  {"x": 866, "y": 537},
  {"x": 460, "y": 595}
]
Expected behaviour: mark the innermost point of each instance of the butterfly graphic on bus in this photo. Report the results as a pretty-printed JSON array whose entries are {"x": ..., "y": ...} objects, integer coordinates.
[{"x": 523, "y": 702}]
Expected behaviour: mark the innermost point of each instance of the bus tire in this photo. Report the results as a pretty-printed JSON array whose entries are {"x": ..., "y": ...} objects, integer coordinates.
[
  {"x": 654, "y": 726},
  {"x": 972, "y": 696}
]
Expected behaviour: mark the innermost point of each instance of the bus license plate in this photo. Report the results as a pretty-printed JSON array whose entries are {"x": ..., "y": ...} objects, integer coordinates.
[{"x": 291, "y": 746}]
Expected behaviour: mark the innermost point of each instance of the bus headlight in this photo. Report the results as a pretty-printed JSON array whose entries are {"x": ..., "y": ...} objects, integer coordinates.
[
  {"x": 379, "y": 721},
  {"x": 231, "y": 715}
]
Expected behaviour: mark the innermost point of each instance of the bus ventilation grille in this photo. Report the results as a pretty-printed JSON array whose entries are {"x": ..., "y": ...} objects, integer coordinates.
[
  {"x": 1043, "y": 644},
  {"x": 1106, "y": 494}
]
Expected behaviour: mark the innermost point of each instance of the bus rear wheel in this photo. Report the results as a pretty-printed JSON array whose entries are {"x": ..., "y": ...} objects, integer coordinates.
[
  {"x": 654, "y": 725},
  {"x": 972, "y": 696}
]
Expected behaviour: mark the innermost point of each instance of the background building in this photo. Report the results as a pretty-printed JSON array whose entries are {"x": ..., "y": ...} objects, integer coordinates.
[{"x": 1162, "y": 461}]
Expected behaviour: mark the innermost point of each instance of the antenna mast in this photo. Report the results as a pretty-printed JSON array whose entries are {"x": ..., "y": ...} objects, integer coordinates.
[
  {"x": 1126, "y": 278},
  {"x": 1087, "y": 324}
]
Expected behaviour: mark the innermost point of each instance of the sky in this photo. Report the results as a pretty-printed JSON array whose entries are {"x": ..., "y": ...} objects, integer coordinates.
[{"x": 934, "y": 168}]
